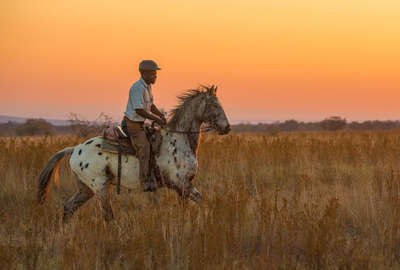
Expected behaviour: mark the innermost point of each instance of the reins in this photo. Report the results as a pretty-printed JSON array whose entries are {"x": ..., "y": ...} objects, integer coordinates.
[
  {"x": 182, "y": 131},
  {"x": 188, "y": 131},
  {"x": 207, "y": 129}
]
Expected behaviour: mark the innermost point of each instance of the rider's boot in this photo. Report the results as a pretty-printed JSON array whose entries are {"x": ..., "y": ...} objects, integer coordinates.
[
  {"x": 149, "y": 185},
  {"x": 147, "y": 182}
]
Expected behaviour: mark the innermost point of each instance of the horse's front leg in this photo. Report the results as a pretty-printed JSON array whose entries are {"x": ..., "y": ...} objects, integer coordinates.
[
  {"x": 188, "y": 191},
  {"x": 181, "y": 184},
  {"x": 194, "y": 194}
]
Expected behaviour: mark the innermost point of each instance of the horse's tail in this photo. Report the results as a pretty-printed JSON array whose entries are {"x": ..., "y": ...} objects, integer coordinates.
[{"x": 49, "y": 171}]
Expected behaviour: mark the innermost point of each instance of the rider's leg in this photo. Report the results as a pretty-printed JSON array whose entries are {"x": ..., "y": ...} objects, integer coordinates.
[{"x": 139, "y": 141}]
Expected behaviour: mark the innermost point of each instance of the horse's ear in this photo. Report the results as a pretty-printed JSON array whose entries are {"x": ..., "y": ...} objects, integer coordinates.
[{"x": 213, "y": 90}]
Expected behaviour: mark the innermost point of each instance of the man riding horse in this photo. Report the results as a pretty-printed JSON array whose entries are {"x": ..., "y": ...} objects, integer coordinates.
[
  {"x": 140, "y": 107},
  {"x": 97, "y": 169}
]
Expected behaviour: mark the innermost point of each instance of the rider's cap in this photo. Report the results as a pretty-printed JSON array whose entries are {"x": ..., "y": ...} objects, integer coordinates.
[{"x": 148, "y": 65}]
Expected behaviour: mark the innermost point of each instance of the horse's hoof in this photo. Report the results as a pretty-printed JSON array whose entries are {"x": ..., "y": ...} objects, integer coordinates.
[{"x": 196, "y": 197}]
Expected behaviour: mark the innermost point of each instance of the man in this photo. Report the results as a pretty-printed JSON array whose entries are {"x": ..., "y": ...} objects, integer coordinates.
[{"x": 139, "y": 108}]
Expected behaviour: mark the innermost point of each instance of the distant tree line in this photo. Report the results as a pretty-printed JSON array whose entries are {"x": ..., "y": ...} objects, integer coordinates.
[
  {"x": 332, "y": 123},
  {"x": 84, "y": 128}
]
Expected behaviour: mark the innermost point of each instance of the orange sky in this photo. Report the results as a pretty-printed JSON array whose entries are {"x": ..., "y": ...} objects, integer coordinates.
[{"x": 272, "y": 60}]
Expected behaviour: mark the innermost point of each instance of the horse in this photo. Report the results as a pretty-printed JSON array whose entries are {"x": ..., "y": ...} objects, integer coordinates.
[{"x": 176, "y": 160}]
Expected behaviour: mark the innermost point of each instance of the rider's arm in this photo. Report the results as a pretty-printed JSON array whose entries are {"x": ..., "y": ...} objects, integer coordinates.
[
  {"x": 156, "y": 111},
  {"x": 149, "y": 116}
]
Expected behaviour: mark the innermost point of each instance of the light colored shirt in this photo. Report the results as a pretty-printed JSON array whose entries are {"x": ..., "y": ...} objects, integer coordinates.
[{"x": 140, "y": 97}]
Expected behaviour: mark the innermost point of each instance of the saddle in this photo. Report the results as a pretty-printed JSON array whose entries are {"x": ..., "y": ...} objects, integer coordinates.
[{"x": 116, "y": 140}]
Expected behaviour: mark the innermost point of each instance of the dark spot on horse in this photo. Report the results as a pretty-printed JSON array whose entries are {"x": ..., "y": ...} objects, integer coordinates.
[
  {"x": 167, "y": 134},
  {"x": 98, "y": 145},
  {"x": 109, "y": 174},
  {"x": 100, "y": 153},
  {"x": 177, "y": 175},
  {"x": 87, "y": 165},
  {"x": 175, "y": 151},
  {"x": 80, "y": 164},
  {"x": 89, "y": 142},
  {"x": 93, "y": 179},
  {"x": 175, "y": 159},
  {"x": 107, "y": 158},
  {"x": 81, "y": 168},
  {"x": 169, "y": 161},
  {"x": 80, "y": 151}
]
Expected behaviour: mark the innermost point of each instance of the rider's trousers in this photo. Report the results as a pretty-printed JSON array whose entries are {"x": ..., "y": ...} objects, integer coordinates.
[{"x": 139, "y": 140}]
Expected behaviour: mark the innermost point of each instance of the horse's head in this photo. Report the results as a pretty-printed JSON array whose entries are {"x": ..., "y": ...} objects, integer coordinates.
[
  {"x": 214, "y": 114},
  {"x": 199, "y": 106}
]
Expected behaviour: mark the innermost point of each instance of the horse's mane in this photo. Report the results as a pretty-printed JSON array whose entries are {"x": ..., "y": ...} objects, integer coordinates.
[{"x": 183, "y": 100}]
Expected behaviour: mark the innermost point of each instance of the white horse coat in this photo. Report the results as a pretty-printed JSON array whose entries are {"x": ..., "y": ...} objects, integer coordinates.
[{"x": 94, "y": 166}]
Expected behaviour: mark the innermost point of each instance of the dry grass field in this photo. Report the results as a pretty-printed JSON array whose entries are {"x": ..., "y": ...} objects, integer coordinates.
[{"x": 315, "y": 200}]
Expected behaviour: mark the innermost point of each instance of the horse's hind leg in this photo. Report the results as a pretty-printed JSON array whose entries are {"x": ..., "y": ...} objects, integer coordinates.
[
  {"x": 105, "y": 200},
  {"x": 83, "y": 195}
]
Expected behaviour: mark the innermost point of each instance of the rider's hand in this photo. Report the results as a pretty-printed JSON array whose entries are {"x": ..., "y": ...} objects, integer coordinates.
[{"x": 161, "y": 122}]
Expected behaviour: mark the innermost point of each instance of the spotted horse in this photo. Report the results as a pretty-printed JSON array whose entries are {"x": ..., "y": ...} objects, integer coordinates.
[{"x": 176, "y": 161}]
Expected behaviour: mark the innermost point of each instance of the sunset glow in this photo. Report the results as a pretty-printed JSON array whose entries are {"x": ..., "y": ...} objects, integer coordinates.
[{"x": 272, "y": 60}]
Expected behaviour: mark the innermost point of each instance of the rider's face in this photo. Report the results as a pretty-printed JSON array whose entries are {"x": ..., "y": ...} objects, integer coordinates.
[{"x": 149, "y": 76}]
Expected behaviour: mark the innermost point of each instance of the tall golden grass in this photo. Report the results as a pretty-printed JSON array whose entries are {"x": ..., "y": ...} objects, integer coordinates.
[{"x": 315, "y": 200}]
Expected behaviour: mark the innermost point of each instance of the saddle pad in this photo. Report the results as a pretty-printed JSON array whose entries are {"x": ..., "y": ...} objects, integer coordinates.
[{"x": 113, "y": 146}]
